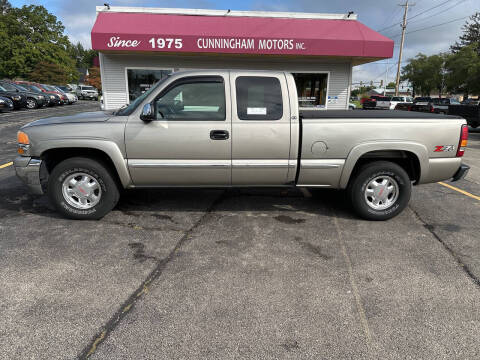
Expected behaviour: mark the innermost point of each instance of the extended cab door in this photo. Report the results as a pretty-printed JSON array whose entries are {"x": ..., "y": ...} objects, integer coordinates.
[
  {"x": 260, "y": 128},
  {"x": 189, "y": 142}
]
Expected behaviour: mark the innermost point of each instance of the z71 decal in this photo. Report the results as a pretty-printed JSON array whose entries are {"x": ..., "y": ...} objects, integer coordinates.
[{"x": 442, "y": 148}]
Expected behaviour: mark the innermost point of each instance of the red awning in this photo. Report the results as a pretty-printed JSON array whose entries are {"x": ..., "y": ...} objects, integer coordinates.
[{"x": 237, "y": 35}]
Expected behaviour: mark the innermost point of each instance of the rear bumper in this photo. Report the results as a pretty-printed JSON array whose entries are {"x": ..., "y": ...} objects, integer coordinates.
[
  {"x": 461, "y": 172},
  {"x": 28, "y": 170}
]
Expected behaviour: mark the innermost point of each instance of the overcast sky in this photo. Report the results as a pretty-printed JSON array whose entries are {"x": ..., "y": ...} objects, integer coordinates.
[{"x": 385, "y": 15}]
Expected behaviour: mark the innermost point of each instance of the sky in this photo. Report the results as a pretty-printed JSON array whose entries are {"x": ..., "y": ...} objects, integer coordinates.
[{"x": 384, "y": 16}]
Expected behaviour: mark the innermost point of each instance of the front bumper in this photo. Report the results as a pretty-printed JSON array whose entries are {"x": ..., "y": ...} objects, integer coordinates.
[
  {"x": 461, "y": 172},
  {"x": 28, "y": 170}
]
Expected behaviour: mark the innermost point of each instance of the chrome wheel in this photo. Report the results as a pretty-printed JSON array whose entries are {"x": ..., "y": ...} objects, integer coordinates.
[
  {"x": 81, "y": 190},
  {"x": 381, "y": 192},
  {"x": 31, "y": 104}
]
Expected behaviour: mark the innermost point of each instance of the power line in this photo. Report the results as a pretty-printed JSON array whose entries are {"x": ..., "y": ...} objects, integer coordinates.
[
  {"x": 440, "y": 12},
  {"x": 433, "y": 26}
]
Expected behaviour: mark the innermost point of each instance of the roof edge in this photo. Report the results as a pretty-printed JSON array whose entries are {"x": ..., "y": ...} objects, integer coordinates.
[{"x": 236, "y": 13}]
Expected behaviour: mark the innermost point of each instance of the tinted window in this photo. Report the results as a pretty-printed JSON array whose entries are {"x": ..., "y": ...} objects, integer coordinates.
[
  {"x": 259, "y": 98},
  {"x": 8, "y": 86},
  {"x": 397, "y": 98},
  {"x": 193, "y": 99}
]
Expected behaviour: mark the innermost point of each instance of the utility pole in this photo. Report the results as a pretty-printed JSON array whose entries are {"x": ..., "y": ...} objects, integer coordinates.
[{"x": 404, "y": 26}]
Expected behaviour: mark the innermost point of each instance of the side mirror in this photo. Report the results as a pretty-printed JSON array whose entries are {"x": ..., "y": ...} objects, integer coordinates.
[{"x": 147, "y": 113}]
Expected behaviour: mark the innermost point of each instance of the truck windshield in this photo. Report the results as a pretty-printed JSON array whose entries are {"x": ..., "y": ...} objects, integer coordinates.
[{"x": 127, "y": 109}]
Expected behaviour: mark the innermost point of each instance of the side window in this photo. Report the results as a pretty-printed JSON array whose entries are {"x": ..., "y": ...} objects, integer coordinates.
[
  {"x": 201, "y": 98},
  {"x": 259, "y": 98}
]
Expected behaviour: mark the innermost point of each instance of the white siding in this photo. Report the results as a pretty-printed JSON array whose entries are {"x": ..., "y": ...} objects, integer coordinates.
[{"x": 114, "y": 82}]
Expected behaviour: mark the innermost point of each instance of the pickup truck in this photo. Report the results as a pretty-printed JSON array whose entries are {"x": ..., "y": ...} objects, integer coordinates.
[
  {"x": 471, "y": 113},
  {"x": 236, "y": 129},
  {"x": 377, "y": 102}
]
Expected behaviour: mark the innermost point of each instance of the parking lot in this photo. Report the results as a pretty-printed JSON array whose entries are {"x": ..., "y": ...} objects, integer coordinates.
[{"x": 224, "y": 274}]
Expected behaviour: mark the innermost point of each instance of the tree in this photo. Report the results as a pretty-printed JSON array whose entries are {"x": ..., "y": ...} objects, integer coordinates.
[
  {"x": 463, "y": 70},
  {"x": 83, "y": 57},
  {"x": 49, "y": 73},
  {"x": 471, "y": 34},
  {"x": 93, "y": 78},
  {"x": 426, "y": 73},
  {"x": 391, "y": 85},
  {"x": 362, "y": 90},
  {"x": 30, "y": 35},
  {"x": 5, "y": 6}
]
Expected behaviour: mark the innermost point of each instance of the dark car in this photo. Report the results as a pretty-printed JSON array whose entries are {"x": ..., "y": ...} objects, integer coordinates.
[
  {"x": 54, "y": 99},
  {"x": 440, "y": 106},
  {"x": 61, "y": 94},
  {"x": 19, "y": 100},
  {"x": 34, "y": 100},
  {"x": 5, "y": 104}
]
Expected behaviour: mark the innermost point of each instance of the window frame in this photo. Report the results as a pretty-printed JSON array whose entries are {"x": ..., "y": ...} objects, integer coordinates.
[
  {"x": 328, "y": 73},
  {"x": 259, "y": 76},
  {"x": 191, "y": 80}
]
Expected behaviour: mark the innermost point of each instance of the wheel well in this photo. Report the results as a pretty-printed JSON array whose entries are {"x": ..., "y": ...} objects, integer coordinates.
[
  {"x": 406, "y": 159},
  {"x": 53, "y": 157}
]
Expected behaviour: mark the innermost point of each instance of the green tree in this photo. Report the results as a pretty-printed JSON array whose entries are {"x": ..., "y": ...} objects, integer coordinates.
[
  {"x": 4, "y": 7},
  {"x": 391, "y": 85},
  {"x": 471, "y": 34},
  {"x": 29, "y": 35},
  {"x": 463, "y": 70},
  {"x": 362, "y": 90},
  {"x": 49, "y": 73},
  {"x": 426, "y": 73},
  {"x": 83, "y": 57}
]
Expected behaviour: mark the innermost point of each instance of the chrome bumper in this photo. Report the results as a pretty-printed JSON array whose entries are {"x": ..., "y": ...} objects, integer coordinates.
[{"x": 28, "y": 170}]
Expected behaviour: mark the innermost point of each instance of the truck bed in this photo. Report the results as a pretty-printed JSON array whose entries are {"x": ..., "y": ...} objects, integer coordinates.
[{"x": 371, "y": 114}]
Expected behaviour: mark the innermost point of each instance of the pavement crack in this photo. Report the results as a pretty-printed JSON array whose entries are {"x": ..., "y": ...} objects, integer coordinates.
[
  {"x": 466, "y": 269},
  {"x": 143, "y": 289}
]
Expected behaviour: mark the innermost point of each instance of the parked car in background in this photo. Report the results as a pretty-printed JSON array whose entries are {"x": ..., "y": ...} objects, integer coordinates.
[
  {"x": 422, "y": 104},
  {"x": 87, "y": 92},
  {"x": 352, "y": 106},
  {"x": 400, "y": 99},
  {"x": 5, "y": 104},
  {"x": 377, "y": 102},
  {"x": 19, "y": 100},
  {"x": 61, "y": 94},
  {"x": 34, "y": 99},
  {"x": 470, "y": 101},
  {"x": 71, "y": 98},
  {"x": 471, "y": 113},
  {"x": 440, "y": 106},
  {"x": 54, "y": 98}
]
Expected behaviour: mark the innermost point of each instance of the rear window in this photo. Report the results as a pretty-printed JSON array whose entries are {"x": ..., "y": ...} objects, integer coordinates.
[
  {"x": 259, "y": 98},
  {"x": 397, "y": 98},
  {"x": 383, "y": 98},
  {"x": 88, "y": 88}
]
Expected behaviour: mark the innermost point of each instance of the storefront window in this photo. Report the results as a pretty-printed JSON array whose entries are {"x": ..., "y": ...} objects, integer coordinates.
[
  {"x": 140, "y": 80},
  {"x": 312, "y": 90}
]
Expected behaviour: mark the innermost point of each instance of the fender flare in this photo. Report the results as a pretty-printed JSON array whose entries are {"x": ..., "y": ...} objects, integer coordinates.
[
  {"x": 419, "y": 150},
  {"x": 108, "y": 147}
]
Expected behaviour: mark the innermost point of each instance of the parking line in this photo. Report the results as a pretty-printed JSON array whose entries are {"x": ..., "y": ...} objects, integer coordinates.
[
  {"x": 460, "y": 191},
  {"x": 6, "y": 165}
]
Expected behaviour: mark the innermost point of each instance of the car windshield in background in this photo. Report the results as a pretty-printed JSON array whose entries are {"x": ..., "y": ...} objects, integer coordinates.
[
  {"x": 49, "y": 88},
  {"x": 8, "y": 86},
  {"x": 397, "y": 98},
  {"x": 128, "y": 109},
  {"x": 21, "y": 88},
  {"x": 64, "y": 88},
  {"x": 34, "y": 88},
  {"x": 88, "y": 88},
  {"x": 2, "y": 88}
]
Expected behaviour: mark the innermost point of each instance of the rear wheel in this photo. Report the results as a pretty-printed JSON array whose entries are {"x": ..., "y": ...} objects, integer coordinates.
[
  {"x": 31, "y": 103},
  {"x": 380, "y": 190},
  {"x": 82, "y": 188}
]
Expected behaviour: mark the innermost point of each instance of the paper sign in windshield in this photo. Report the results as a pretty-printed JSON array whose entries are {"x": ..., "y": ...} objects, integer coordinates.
[{"x": 256, "y": 111}]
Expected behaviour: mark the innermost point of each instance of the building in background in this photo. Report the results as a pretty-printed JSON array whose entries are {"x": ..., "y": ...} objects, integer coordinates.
[{"x": 139, "y": 46}]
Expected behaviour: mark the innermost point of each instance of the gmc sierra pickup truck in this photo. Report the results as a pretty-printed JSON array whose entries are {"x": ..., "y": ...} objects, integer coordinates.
[{"x": 235, "y": 129}]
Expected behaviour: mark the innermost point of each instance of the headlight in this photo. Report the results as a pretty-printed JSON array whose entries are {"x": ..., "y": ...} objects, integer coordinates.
[
  {"x": 52, "y": 97},
  {"x": 1, "y": 101},
  {"x": 17, "y": 98},
  {"x": 41, "y": 97}
]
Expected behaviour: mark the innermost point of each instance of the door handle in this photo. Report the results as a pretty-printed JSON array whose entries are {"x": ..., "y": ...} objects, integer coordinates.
[{"x": 219, "y": 135}]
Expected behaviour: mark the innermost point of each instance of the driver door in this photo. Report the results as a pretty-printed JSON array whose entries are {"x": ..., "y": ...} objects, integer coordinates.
[{"x": 189, "y": 141}]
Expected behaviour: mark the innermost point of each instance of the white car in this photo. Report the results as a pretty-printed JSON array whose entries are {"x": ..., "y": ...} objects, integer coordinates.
[
  {"x": 87, "y": 92},
  {"x": 399, "y": 99},
  {"x": 72, "y": 98}
]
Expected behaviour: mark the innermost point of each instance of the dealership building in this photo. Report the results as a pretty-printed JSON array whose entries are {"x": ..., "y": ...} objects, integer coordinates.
[{"x": 139, "y": 46}]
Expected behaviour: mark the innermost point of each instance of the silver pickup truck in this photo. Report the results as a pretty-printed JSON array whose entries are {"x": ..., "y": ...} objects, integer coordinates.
[{"x": 236, "y": 129}]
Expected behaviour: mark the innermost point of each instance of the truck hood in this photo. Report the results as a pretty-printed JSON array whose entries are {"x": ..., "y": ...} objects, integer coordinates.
[{"x": 86, "y": 117}]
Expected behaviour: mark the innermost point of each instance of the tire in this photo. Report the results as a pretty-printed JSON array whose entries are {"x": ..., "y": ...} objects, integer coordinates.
[
  {"x": 375, "y": 180},
  {"x": 31, "y": 103},
  {"x": 105, "y": 188}
]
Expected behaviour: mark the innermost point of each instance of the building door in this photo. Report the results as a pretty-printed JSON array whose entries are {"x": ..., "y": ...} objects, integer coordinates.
[
  {"x": 189, "y": 143},
  {"x": 261, "y": 129}
]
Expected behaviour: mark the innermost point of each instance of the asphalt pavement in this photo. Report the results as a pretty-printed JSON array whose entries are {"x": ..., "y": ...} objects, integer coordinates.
[{"x": 238, "y": 274}]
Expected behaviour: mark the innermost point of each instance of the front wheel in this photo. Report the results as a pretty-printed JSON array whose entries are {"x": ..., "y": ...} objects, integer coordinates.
[
  {"x": 82, "y": 188},
  {"x": 31, "y": 103},
  {"x": 380, "y": 190}
]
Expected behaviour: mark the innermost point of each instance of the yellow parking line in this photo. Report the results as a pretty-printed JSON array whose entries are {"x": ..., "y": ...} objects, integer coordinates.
[
  {"x": 6, "y": 165},
  {"x": 460, "y": 191}
]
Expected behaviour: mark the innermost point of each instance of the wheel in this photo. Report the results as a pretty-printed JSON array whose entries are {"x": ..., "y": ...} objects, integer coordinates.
[
  {"x": 31, "y": 103},
  {"x": 380, "y": 190},
  {"x": 82, "y": 188},
  {"x": 351, "y": 108}
]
